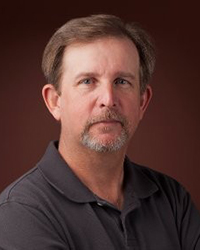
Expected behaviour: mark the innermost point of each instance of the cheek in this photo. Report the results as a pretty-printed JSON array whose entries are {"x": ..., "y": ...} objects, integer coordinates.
[
  {"x": 74, "y": 114},
  {"x": 132, "y": 113}
]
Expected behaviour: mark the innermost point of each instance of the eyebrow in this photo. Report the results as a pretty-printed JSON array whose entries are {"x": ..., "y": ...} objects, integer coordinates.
[
  {"x": 94, "y": 74},
  {"x": 125, "y": 74},
  {"x": 86, "y": 74}
]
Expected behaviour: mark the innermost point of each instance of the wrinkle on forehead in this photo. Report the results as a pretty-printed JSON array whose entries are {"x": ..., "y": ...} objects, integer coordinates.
[{"x": 103, "y": 57}]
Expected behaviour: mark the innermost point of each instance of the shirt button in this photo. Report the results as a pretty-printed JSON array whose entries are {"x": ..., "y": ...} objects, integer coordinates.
[{"x": 99, "y": 204}]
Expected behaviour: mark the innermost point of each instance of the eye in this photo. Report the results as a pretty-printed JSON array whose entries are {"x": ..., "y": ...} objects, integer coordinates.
[
  {"x": 121, "y": 81},
  {"x": 87, "y": 81}
]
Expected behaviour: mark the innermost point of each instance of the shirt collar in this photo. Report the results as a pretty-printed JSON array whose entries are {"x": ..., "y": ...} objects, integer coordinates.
[
  {"x": 59, "y": 175},
  {"x": 137, "y": 183}
]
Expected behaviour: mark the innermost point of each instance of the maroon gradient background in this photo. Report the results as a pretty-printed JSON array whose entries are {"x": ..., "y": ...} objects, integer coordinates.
[{"x": 168, "y": 138}]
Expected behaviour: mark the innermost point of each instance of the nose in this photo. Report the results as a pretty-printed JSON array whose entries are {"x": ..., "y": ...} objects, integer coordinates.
[{"x": 107, "y": 97}]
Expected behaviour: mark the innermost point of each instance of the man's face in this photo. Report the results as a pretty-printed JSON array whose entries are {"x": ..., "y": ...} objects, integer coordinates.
[{"x": 100, "y": 104}]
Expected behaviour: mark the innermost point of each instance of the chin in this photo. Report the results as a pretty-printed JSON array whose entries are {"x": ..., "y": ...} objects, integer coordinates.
[{"x": 105, "y": 143}]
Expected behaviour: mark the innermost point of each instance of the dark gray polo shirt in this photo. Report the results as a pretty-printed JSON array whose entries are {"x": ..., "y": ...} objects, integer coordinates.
[{"x": 49, "y": 208}]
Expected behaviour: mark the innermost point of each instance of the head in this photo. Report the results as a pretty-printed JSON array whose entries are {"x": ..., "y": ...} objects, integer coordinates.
[
  {"x": 98, "y": 70},
  {"x": 88, "y": 29}
]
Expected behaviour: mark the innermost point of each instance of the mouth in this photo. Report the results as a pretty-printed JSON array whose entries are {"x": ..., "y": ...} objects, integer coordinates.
[{"x": 108, "y": 122}]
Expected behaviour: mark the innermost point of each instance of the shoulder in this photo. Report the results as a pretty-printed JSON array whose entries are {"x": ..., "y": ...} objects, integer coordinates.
[
  {"x": 168, "y": 189},
  {"x": 26, "y": 190},
  {"x": 169, "y": 194},
  {"x": 25, "y": 214},
  {"x": 161, "y": 180},
  {"x": 172, "y": 201}
]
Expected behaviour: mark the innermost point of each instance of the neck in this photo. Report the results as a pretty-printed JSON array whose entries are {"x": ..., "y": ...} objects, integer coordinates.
[{"x": 102, "y": 173}]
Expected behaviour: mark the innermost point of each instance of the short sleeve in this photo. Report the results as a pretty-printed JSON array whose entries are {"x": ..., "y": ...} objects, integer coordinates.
[
  {"x": 189, "y": 222},
  {"x": 23, "y": 227}
]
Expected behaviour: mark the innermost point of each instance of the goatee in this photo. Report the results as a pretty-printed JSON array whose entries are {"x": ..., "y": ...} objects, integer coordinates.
[{"x": 94, "y": 143}]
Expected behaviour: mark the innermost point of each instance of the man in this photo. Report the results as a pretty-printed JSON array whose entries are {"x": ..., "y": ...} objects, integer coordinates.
[{"x": 85, "y": 193}]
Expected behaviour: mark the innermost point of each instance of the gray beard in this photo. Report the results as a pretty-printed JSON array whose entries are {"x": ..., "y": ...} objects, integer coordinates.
[{"x": 95, "y": 144}]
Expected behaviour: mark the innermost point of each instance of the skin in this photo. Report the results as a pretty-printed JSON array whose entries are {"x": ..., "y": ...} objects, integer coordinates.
[{"x": 98, "y": 77}]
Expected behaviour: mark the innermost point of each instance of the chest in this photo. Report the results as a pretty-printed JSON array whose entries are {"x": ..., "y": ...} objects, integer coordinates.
[{"x": 97, "y": 226}]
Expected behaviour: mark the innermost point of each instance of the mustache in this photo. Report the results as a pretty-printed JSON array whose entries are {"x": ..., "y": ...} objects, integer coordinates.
[{"x": 107, "y": 115}]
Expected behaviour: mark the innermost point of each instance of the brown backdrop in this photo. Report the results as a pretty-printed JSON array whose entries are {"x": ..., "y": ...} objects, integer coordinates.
[{"x": 168, "y": 138}]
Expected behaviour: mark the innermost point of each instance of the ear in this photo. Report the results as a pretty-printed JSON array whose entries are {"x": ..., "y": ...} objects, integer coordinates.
[
  {"x": 52, "y": 100},
  {"x": 145, "y": 99}
]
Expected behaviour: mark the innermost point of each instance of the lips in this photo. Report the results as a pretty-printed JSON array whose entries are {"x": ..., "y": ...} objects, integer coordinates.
[
  {"x": 108, "y": 118},
  {"x": 107, "y": 122}
]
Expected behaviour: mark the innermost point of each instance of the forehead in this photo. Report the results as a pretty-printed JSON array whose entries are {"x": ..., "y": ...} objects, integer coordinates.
[{"x": 105, "y": 54}]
